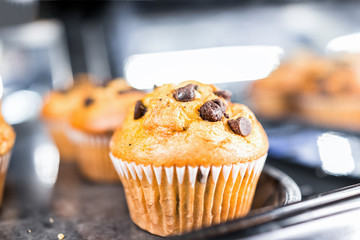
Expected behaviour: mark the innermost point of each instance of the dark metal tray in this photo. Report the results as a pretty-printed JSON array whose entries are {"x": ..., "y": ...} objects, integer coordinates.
[
  {"x": 37, "y": 208},
  {"x": 83, "y": 210}
]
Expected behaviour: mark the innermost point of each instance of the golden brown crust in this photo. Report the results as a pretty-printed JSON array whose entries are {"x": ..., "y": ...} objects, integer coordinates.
[
  {"x": 107, "y": 109},
  {"x": 60, "y": 105},
  {"x": 7, "y": 137},
  {"x": 294, "y": 74},
  {"x": 274, "y": 97},
  {"x": 173, "y": 133},
  {"x": 342, "y": 80},
  {"x": 340, "y": 112},
  {"x": 333, "y": 100},
  {"x": 319, "y": 90}
]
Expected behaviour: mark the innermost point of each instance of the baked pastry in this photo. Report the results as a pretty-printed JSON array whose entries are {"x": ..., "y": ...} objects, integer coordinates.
[
  {"x": 317, "y": 90},
  {"x": 333, "y": 100},
  {"x": 188, "y": 158},
  {"x": 7, "y": 137},
  {"x": 57, "y": 109},
  {"x": 94, "y": 122},
  {"x": 275, "y": 97}
]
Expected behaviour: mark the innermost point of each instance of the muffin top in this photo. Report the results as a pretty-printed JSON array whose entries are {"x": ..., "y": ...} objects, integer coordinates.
[
  {"x": 105, "y": 108},
  {"x": 59, "y": 105},
  {"x": 342, "y": 80},
  {"x": 7, "y": 137},
  {"x": 294, "y": 74},
  {"x": 189, "y": 124}
]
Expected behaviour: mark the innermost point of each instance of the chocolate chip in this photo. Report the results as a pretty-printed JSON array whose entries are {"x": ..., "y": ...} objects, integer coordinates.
[
  {"x": 155, "y": 87},
  {"x": 129, "y": 144},
  {"x": 211, "y": 111},
  {"x": 225, "y": 94},
  {"x": 241, "y": 126},
  {"x": 88, "y": 101},
  {"x": 185, "y": 94},
  {"x": 221, "y": 104},
  {"x": 140, "y": 110}
]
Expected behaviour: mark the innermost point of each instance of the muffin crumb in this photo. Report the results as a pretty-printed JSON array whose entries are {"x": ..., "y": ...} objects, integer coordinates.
[{"x": 61, "y": 236}]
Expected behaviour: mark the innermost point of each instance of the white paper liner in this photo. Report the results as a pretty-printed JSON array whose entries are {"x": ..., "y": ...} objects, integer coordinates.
[
  {"x": 92, "y": 156},
  {"x": 4, "y": 163},
  {"x": 59, "y": 131},
  {"x": 171, "y": 200}
]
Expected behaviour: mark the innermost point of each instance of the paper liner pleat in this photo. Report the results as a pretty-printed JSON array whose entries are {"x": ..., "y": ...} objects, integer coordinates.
[
  {"x": 92, "y": 156},
  {"x": 172, "y": 200},
  {"x": 4, "y": 163},
  {"x": 250, "y": 189},
  {"x": 236, "y": 188},
  {"x": 59, "y": 132}
]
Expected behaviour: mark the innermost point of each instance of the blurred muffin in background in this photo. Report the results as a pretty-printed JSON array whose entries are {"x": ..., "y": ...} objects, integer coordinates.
[
  {"x": 333, "y": 100},
  {"x": 323, "y": 91},
  {"x": 94, "y": 122},
  {"x": 188, "y": 158},
  {"x": 7, "y": 140},
  {"x": 57, "y": 109},
  {"x": 274, "y": 97}
]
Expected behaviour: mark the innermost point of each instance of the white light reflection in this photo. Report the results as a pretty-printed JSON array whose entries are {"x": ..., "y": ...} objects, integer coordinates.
[
  {"x": 46, "y": 161},
  {"x": 21, "y": 106},
  {"x": 1, "y": 88},
  {"x": 335, "y": 154},
  {"x": 22, "y": 1},
  {"x": 37, "y": 34},
  {"x": 348, "y": 43},
  {"x": 212, "y": 65}
]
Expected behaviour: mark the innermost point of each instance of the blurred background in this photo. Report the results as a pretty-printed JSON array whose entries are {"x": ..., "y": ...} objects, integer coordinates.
[
  {"x": 302, "y": 45},
  {"x": 44, "y": 44}
]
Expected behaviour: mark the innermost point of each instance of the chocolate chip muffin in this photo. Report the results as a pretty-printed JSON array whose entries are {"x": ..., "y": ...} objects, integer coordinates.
[
  {"x": 275, "y": 97},
  {"x": 57, "y": 109},
  {"x": 7, "y": 140},
  {"x": 100, "y": 113},
  {"x": 333, "y": 100},
  {"x": 188, "y": 157}
]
